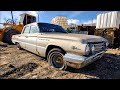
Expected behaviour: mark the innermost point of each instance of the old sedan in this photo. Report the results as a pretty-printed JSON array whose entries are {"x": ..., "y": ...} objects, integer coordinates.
[{"x": 60, "y": 48}]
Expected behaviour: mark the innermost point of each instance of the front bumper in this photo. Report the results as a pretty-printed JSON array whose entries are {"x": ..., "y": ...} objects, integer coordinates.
[{"x": 77, "y": 61}]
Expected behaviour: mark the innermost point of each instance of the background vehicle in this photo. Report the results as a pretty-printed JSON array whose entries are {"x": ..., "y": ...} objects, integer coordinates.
[
  {"x": 11, "y": 28},
  {"x": 108, "y": 26}
]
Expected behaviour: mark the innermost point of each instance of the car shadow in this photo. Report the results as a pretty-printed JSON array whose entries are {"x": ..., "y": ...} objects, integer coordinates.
[{"x": 108, "y": 67}]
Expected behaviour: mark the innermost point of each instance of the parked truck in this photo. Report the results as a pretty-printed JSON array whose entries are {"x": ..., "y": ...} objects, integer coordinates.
[
  {"x": 108, "y": 26},
  {"x": 11, "y": 28},
  {"x": 61, "y": 49}
]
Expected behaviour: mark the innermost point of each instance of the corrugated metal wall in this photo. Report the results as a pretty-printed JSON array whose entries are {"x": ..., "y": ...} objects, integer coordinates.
[{"x": 108, "y": 20}]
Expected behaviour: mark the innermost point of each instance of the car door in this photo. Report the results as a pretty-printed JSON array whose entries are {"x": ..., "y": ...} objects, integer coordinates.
[
  {"x": 23, "y": 36},
  {"x": 31, "y": 44},
  {"x": 42, "y": 40}
]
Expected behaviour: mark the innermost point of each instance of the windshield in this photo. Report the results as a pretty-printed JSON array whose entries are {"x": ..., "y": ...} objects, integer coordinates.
[{"x": 45, "y": 27}]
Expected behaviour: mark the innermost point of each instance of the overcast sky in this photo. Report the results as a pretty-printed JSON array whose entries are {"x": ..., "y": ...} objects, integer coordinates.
[{"x": 77, "y": 17}]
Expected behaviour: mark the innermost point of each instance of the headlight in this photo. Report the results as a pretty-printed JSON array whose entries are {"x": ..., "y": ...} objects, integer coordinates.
[
  {"x": 93, "y": 49},
  {"x": 107, "y": 43},
  {"x": 87, "y": 49}
]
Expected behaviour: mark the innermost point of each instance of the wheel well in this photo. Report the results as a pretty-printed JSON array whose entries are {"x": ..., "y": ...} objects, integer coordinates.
[{"x": 51, "y": 47}]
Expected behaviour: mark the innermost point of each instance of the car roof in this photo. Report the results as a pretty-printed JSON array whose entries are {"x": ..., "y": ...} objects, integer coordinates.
[{"x": 35, "y": 23}]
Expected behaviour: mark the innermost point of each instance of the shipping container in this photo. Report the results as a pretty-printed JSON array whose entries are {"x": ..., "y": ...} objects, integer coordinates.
[
  {"x": 83, "y": 32},
  {"x": 88, "y": 29}
]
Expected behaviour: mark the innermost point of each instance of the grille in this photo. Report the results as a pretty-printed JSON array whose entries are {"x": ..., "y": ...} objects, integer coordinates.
[{"x": 100, "y": 46}]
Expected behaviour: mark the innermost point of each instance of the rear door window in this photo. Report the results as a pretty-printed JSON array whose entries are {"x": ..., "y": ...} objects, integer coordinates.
[
  {"x": 34, "y": 29},
  {"x": 27, "y": 30}
]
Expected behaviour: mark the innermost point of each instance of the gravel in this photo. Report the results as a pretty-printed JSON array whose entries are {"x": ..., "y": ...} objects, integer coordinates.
[{"x": 21, "y": 64}]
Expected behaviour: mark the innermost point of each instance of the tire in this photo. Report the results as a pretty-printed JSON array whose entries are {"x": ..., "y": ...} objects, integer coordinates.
[
  {"x": 18, "y": 46},
  {"x": 8, "y": 35},
  {"x": 55, "y": 59}
]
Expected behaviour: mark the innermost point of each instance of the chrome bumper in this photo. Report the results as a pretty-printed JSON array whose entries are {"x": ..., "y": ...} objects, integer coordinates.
[{"x": 77, "y": 61}]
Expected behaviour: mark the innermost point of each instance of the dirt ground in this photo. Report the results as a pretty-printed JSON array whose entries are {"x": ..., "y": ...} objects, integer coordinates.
[{"x": 21, "y": 64}]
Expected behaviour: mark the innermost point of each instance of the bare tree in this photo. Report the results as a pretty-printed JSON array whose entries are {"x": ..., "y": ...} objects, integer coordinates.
[{"x": 10, "y": 21}]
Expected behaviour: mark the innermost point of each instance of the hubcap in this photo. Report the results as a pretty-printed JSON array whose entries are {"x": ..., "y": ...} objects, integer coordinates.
[{"x": 57, "y": 61}]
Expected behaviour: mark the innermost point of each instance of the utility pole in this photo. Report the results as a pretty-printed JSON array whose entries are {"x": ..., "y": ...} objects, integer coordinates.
[
  {"x": 0, "y": 16},
  {"x": 0, "y": 19},
  {"x": 92, "y": 21},
  {"x": 38, "y": 16},
  {"x": 12, "y": 17}
]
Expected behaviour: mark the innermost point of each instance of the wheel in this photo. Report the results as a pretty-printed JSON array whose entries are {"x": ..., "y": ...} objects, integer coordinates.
[
  {"x": 18, "y": 46},
  {"x": 8, "y": 35},
  {"x": 55, "y": 59}
]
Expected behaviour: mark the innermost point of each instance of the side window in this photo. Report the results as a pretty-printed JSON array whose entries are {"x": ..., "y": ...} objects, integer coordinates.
[
  {"x": 34, "y": 29},
  {"x": 46, "y": 29},
  {"x": 27, "y": 29}
]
